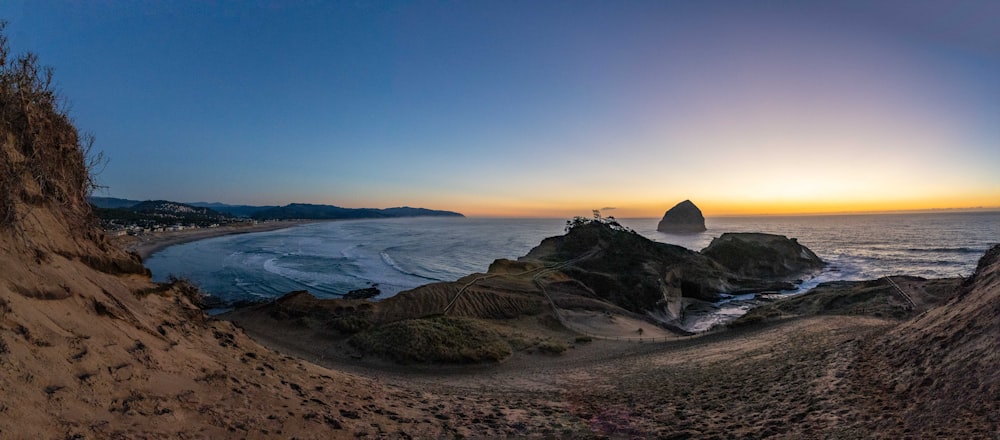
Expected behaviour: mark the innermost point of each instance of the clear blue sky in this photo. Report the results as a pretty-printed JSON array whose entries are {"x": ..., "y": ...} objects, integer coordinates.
[{"x": 535, "y": 108}]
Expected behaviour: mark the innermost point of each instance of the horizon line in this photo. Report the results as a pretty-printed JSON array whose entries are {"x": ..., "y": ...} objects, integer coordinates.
[{"x": 760, "y": 214}]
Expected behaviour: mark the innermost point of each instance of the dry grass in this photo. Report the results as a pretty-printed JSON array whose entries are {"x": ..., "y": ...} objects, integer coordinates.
[
  {"x": 44, "y": 159},
  {"x": 434, "y": 340}
]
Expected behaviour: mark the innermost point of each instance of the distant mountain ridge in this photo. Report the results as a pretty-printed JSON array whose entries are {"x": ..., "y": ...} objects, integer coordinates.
[
  {"x": 112, "y": 202},
  {"x": 236, "y": 210},
  {"x": 329, "y": 212},
  {"x": 290, "y": 211}
]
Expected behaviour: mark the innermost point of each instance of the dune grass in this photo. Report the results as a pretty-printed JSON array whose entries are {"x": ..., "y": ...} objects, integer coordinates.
[{"x": 440, "y": 339}]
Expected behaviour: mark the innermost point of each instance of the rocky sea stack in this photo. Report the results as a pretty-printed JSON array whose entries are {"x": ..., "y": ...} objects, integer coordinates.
[
  {"x": 762, "y": 255},
  {"x": 683, "y": 217}
]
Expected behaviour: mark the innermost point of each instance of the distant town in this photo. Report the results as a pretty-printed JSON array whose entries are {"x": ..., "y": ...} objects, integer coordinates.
[{"x": 161, "y": 216}]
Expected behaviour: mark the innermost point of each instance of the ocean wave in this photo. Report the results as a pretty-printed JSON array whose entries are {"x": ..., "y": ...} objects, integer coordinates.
[
  {"x": 392, "y": 263},
  {"x": 946, "y": 250},
  {"x": 351, "y": 251},
  {"x": 327, "y": 282}
]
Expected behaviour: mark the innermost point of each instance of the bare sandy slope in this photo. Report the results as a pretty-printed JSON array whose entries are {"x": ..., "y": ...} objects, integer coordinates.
[
  {"x": 614, "y": 326},
  {"x": 88, "y": 353},
  {"x": 770, "y": 381}
]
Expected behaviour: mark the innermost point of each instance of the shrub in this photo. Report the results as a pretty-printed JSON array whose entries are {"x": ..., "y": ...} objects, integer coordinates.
[
  {"x": 439, "y": 339},
  {"x": 44, "y": 160},
  {"x": 349, "y": 324},
  {"x": 552, "y": 347}
]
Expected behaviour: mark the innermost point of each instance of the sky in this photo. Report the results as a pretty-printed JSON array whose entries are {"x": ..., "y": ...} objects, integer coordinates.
[{"x": 534, "y": 108}]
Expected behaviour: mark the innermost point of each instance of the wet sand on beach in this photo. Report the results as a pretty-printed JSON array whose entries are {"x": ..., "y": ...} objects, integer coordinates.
[{"x": 149, "y": 244}]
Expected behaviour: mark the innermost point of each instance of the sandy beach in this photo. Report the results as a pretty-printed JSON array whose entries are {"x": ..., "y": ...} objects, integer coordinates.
[{"x": 149, "y": 244}]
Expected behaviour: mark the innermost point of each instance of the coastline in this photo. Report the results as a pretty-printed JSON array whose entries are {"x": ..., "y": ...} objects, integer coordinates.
[{"x": 150, "y": 244}]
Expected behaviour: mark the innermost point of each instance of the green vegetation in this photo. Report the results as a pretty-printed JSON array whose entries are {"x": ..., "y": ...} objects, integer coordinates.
[
  {"x": 440, "y": 339},
  {"x": 349, "y": 324},
  {"x": 610, "y": 222},
  {"x": 552, "y": 347}
]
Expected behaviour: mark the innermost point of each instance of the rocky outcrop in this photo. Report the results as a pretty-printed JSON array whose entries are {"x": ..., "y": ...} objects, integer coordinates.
[
  {"x": 597, "y": 266},
  {"x": 644, "y": 276},
  {"x": 760, "y": 255},
  {"x": 683, "y": 217}
]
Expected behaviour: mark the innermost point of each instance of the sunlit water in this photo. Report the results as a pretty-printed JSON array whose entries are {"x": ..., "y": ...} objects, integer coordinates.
[{"x": 332, "y": 258}]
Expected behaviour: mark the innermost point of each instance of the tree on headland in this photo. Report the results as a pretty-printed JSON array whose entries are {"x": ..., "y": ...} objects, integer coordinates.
[{"x": 608, "y": 221}]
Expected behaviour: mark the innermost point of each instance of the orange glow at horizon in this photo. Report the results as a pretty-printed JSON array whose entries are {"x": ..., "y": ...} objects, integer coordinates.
[{"x": 722, "y": 207}]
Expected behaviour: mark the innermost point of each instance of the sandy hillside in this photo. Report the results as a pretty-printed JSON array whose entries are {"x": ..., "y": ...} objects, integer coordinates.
[{"x": 90, "y": 348}]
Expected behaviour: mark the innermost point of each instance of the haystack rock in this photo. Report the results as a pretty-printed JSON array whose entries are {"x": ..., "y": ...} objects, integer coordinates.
[{"x": 683, "y": 217}]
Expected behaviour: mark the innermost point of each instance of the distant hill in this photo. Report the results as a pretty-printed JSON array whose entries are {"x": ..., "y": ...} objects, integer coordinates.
[
  {"x": 291, "y": 211},
  {"x": 112, "y": 202},
  {"x": 152, "y": 213},
  {"x": 329, "y": 212},
  {"x": 235, "y": 210},
  {"x": 406, "y": 211}
]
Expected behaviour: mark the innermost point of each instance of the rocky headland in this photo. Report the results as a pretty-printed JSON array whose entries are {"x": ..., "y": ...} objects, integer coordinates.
[{"x": 597, "y": 266}]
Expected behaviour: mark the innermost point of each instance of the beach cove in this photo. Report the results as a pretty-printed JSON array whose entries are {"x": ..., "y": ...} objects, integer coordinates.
[{"x": 150, "y": 243}]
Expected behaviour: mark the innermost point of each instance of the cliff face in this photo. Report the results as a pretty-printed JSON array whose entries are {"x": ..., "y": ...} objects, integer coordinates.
[{"x": 683, "y": 217}]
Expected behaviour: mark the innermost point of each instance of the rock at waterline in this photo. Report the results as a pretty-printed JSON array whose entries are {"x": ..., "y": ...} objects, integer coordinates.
[
  {"x": 683, "y": 217},
  {"x": 366, "y": 293},
  {"x": 762, "y": 255}
]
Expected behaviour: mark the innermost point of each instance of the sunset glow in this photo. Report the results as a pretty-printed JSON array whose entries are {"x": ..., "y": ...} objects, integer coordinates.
[{"x": 546, "y": 109}]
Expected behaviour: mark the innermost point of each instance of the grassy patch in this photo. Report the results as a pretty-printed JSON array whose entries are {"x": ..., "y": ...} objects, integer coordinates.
[
  {"x": 350, "y": 324},
  {"x": 440, "y": 339},
  {"x": 552, "y": 347}
]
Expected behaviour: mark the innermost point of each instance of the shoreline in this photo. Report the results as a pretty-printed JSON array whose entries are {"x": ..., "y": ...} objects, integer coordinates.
[{"x": 147, "y": 245}]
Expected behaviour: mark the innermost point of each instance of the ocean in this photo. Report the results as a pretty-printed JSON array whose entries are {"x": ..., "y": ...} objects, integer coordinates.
[{"x": 332, "y": 258}]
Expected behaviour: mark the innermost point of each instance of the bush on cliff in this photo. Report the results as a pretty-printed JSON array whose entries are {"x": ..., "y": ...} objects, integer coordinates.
[
  {"x": 440, "y": 339},
  {"x": 44, "y": 161}
]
